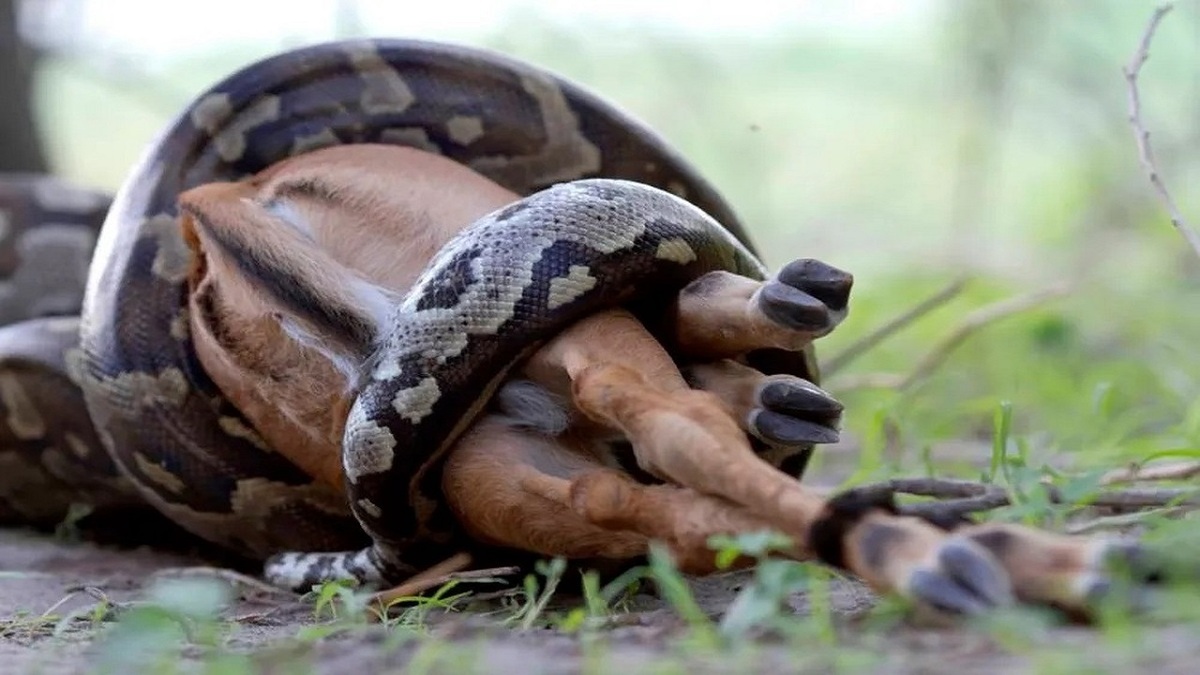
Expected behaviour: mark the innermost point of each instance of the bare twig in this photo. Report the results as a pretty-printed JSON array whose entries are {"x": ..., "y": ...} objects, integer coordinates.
[
  {"x": 453, "y": 568},
  {"x": 1166, "y": 471},
  {"x": 960, "y": 497},
  {"x": 485, "y": 573},
  {"x": 423, "y": 581},
  {"x": 1123, "y": 521},
  {"x": 1137, "y": 498},
  {"x": 890, "y": 328},
  {"x": 975, "y": 321},
  {"x": 1142, "y": 135}
]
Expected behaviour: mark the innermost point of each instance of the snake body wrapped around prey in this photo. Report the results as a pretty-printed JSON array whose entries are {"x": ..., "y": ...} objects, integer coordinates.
[{"x": 608, "y": 207}]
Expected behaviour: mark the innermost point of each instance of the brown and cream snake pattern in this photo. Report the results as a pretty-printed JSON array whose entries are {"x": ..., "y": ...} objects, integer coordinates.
[{"x": 113, "y": 407}]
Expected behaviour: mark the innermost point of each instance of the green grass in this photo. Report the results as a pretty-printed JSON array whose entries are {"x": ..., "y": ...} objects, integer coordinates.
[{"x": 183, "y": 625}]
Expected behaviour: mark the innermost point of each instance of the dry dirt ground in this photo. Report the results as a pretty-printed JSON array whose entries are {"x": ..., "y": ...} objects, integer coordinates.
[{"x": 39, "y": 572}]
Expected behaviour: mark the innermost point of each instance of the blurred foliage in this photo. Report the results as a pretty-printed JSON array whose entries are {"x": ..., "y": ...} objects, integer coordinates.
[{"x": 986, "y": 137}]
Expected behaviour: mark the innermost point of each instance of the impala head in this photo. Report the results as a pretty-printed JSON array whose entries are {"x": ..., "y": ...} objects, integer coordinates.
[{"x": 307, "y": 259}]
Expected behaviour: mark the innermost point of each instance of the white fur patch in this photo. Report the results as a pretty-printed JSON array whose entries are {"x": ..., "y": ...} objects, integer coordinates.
[
  {"x": 284, "y": 210},
  {"x": 346, "y": 363},
  {"x": 526, "y": 404},
  {"x": 371, "y": 302},
  {"x": 374, "y": 301}
]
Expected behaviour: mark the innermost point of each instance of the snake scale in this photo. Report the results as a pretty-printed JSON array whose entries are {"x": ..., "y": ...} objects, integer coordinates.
[{"x": 113, "y": 408}]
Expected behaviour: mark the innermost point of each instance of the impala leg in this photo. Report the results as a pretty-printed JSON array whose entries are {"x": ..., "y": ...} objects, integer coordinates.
[
  {"x": 554, "y": 496},
  {"x": 723, "y": 315},
  {"x": 786, "y": 414},
  {"x": 620, "y": 378},
  {"x": 780, "y": 410},
  {"x": 1066, "y": 571}
]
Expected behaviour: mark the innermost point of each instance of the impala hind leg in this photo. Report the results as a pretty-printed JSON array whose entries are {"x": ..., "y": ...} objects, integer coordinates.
[
  {"x": 617, "y": 375},
  {"x": 1066, "y": 571},
  {"x": 557, "y": 496}
]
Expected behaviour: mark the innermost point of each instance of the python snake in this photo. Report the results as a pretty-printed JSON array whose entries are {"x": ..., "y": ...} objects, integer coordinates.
[{"x": 608, "y": 206}]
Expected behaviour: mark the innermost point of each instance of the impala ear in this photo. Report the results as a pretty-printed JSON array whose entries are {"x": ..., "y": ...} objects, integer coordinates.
[{"x": 319, "y": 302}]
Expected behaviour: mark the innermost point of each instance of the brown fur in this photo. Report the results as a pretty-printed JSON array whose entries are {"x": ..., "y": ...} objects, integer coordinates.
[
  {"x": 352, "y": 198},
  {"x": 356, "y": 221}
]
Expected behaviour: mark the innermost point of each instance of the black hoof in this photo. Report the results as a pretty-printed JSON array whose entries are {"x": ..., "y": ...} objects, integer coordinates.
[
  {"x": 976, "y": 569},
  {"x": 792, "y": 411},
  {"x": 825, "y": 283},
  {"x": 967, "y": 580},
  {"x": 784, "y": 430},
  {"x": 791, "y": 307},
  {"x": 797, "y": 396}
]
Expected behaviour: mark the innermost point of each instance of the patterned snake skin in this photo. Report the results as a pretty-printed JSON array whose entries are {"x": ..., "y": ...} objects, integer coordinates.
[{"x": 115, "y": 408}]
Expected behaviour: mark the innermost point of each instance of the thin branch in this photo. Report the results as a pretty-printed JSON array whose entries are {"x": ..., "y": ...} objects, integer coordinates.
[
  {"x": 1123, "y": 521},
  {"x": 1142, "y": 135},
  {"x": 453, "y": 568},
  {"x": 890, "y": 328},
  {"x": 974, "y": 322},
  {"x": 1166, "y": 471},
  {"x": 960, "y": 497},
  {"x": 424, "y": 580}
]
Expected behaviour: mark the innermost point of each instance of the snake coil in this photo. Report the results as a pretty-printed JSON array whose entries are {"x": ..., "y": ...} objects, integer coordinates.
[{"x": 607, "y": 206}]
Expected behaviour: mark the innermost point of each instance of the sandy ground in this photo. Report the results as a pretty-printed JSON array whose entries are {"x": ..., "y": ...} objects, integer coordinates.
[{"x": 38, "y": 572}]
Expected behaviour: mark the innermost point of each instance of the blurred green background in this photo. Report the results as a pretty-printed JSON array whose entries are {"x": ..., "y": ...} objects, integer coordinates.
[{"x": 908, "y": 142}]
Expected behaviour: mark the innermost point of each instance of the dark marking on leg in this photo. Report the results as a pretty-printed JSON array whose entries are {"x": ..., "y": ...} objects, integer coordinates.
[
  {"x": 999, "y": 542},
  {"x": 827, "y": 538},
  {"x": 877, "y": 540},
  {"x": 706, "y": 284},
  {"x": 793, "y": 465}
]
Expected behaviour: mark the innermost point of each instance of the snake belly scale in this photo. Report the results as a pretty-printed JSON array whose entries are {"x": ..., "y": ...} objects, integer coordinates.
[{"x": 629, "y": 211}]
